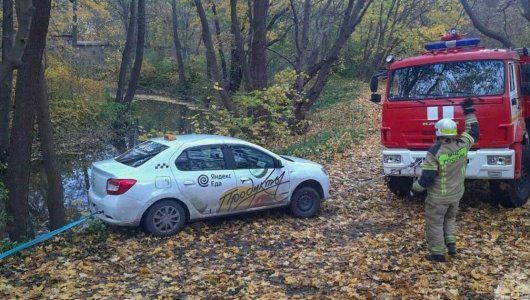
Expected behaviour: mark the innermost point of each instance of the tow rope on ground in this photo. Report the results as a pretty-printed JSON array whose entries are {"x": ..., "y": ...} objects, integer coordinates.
[
  {"x": 360, "y": 183},
  {"x": 46, "y": 236}
]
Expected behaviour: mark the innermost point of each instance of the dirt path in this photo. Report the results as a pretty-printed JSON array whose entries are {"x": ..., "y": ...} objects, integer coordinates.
[{"x": 364, "y": 244}]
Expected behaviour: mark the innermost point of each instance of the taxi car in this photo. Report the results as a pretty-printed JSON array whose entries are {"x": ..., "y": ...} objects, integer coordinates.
[{"x": 164, "y": 182}]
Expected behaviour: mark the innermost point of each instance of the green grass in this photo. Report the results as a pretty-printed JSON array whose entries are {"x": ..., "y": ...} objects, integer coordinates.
[
  {"x": 335, "y": 124},
  {"x": 338, "y": 89}
]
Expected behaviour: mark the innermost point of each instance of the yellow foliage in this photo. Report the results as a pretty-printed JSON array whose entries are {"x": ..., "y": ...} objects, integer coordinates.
[{"x": 73, "y": 99}]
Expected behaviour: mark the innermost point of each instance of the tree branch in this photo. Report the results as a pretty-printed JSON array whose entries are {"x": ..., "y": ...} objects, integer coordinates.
[
  {"x": 24, "y": 10},
  {"x": 485, "y": 31}
]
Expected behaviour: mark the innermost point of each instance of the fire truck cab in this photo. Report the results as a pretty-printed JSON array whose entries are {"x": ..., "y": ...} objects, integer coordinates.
[{"x": 423, "y": 89}]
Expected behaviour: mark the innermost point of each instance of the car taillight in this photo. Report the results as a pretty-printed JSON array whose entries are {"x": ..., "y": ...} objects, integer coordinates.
[{"x": 119, "y": 186}]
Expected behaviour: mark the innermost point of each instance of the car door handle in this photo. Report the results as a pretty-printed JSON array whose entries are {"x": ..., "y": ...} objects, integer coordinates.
[
  {"x": 244, "y": 179},
  {"x": 189, "y": 182}
]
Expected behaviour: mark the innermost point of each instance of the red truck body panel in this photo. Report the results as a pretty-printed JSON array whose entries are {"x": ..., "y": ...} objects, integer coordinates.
[{"x": 405, "y": 124}]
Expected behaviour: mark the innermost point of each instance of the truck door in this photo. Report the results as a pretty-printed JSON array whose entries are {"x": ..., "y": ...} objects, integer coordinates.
[{"x": 514, "y": 94}]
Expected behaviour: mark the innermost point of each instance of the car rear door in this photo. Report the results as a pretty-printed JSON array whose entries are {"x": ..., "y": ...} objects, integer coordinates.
[
  {"x": 203, "y": 177},
  {"x": 261, "y": 182}
]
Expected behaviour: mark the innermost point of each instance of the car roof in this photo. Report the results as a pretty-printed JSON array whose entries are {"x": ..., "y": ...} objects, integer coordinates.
[{"x": 198, "y": 139}]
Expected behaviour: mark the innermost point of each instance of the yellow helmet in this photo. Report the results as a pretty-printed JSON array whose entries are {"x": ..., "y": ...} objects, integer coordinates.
[{"x": 446, "y": 127}]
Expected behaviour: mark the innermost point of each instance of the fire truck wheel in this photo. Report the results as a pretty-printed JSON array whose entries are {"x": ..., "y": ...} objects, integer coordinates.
[
  {"x": 400, "y": 186},
  {"x": 514, "y": 193}
]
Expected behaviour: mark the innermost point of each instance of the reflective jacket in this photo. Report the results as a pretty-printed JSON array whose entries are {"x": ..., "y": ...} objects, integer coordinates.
[{"x": 444, "y": 168}]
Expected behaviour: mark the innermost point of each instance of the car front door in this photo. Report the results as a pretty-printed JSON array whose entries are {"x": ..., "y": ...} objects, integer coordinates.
[
  {"x": 261, "y": 182},
  {"x": 203, "y": 177}
]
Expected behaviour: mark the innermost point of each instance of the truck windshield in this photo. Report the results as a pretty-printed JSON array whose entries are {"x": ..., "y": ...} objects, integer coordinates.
[{"x": 446, "y": 80}]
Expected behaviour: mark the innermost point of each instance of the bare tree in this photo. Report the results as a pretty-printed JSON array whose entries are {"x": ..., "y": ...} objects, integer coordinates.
[
  {"x": 54, "y": 189},
  {"x": 483, "y": 29},
  {"x": 24, "y": 10},
  {"x": 258, "y": 54},
  {"x": 313, "y": 68},
  {"x": 219, "y": 42},
  {"x": 28, "y": 86},
  {"x": 138, "y": 59},
  {"x": 6, "y": 84},
  {"x": 239, "y": 45},
  {"x": 525, "y": 4},
  {"x": 211, "y": 59},
  {"x": 126, "y": 54},
  {"x": 178, "y": 46}
]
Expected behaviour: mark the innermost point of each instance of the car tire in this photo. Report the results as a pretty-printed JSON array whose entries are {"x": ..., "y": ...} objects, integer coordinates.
[
  {"x": 305, "y": 202},
  {"x": 514, "y": 193},
  {"x": 399, "y": 186},
  {"x": 165, "y": 218}
]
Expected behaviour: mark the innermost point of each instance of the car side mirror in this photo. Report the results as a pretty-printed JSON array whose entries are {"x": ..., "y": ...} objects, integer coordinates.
[
  {"x": 375, "y": 98},
  {"x": 278, "y": 164}
]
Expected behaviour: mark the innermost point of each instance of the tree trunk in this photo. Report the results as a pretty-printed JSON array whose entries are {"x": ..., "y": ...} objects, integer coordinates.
[
  {"x": 240, "y": 48},
  {"x": 55, "y": 197},
  {"x": 138, "y": 60},
  {"x": 126, "y": 54},
  {"x": 6, "y": 84},
  {"x": 178, "y": 46},
  {"x": 352, "y": 17},
  {"x": 27, "y": 86},
  {"x": 211, "y": 60},
  {"x": 74, "y": 23},
  {"x": 526, "y": 9},
  {"x": 219, "y": 43},
  {"x": 485, "y": 31},
  {"x": 24, "y": 12},
  {"x": 258, "y": 57}
]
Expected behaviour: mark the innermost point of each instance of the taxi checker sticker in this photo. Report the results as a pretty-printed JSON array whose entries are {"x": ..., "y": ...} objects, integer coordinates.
[{"x": 262, "y": 194}]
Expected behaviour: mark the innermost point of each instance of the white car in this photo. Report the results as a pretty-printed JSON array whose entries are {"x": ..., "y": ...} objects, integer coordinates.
[{"x": 165, "y": 182}]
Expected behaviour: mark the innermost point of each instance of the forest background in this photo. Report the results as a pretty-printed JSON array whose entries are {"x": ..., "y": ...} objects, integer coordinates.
[{"x": 82, "y": 80}]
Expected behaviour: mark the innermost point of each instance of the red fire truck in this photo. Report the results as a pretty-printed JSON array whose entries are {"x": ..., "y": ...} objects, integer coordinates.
[{"x": 423, "y": 89}]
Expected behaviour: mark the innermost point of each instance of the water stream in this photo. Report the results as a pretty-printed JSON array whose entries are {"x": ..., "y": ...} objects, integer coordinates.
[{"x": 150, "y": 111}]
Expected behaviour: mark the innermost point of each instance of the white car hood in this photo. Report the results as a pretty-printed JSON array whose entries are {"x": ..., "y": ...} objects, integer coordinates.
[{"x": 299, "y": 160}]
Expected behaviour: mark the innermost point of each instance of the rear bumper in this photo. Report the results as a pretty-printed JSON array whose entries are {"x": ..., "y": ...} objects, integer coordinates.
[
  {"x": 477, "y": 167},
  {"x": 116, "y": 210}
]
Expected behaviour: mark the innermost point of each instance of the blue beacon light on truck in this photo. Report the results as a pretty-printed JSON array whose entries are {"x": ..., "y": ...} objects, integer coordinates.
[{"x": 442, "y": 45}]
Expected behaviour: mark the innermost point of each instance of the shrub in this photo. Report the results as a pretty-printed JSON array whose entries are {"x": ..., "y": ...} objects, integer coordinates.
[{"x": 265, "y": 116}]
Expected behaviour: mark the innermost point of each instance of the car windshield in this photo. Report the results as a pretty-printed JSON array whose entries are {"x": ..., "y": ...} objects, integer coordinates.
[
  {"x": 445, "y": 80},
  {"x": 141, "y": 153}
]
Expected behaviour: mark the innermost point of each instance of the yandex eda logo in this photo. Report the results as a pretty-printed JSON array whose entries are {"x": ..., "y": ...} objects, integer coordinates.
[{"x": 435, "y": 113}]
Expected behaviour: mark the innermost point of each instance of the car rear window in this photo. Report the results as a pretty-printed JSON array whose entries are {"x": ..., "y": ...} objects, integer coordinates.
[{"x": 140, "y": 154}]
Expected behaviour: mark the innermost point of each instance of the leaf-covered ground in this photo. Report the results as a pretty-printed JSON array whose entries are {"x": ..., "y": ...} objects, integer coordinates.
[{"x": 364, "y": 244}]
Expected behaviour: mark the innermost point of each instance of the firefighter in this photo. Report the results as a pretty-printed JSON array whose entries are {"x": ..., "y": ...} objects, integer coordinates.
[{"x": 443, "y": 174}]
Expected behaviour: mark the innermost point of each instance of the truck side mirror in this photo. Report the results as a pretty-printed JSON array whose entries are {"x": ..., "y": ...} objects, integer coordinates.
[
  {"x": 375, "y": 98},
  {"x": 374, "y": 83}
]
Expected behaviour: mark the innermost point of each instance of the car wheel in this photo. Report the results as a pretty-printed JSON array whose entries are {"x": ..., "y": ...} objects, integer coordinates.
[
  {"x": 305, "y": 202},
  {"x": 165, "y": 218}
]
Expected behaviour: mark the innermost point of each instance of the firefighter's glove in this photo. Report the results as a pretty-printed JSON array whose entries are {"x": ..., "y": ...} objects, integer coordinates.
[{"x": 468, "y": 106}]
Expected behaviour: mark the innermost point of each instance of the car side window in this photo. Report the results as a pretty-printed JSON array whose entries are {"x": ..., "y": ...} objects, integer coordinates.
[
  {"x": 201, "y": 159},
  {"x": 182, "y": 162},
  {"x": 250, "y": 158}
]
